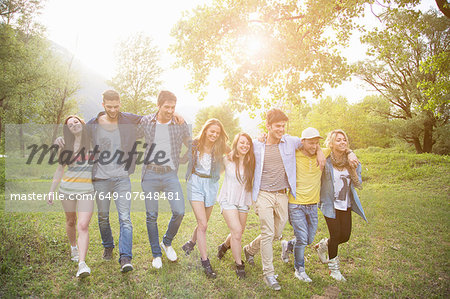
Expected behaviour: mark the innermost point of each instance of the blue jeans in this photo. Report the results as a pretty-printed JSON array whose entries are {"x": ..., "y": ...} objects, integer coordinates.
[
  {"x": 304, "y": 220},
  {"x": 116, "y": 189},
  {"x": 167, "y": 183}
]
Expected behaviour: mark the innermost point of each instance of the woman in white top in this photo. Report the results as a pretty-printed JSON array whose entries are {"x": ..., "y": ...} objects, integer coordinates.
[
  {"x": 338, "y": 198},
  {"x": 76, "y": 189},
  {"x": 235, "y": 197}
]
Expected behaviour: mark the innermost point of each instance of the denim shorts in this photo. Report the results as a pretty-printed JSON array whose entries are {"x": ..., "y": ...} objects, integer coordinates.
[
  {"x": 202, "y": 189},
  {"x": 226, "y": 206}
]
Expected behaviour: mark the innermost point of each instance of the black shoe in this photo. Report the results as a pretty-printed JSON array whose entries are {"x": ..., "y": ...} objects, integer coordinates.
[
  {"x": 188, "y": 247},
  {"x": 107, "y": 253},
  {"x": 209, "y": 271},
  {"x": 125, "y": 264},
  {"x": 221, "y": 250},
  {"x": 240, "y": 270},
  {"x": 249, "y": 257}
]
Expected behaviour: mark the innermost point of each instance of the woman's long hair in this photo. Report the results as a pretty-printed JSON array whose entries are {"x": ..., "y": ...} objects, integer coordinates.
[
  {"x": 249, "y": 162},
  {"x": 69, "y": 140},
  {"x": 331, "y": 137},
  {"x": 342, "y": 162},
  {"x": 220, "y": 146}
]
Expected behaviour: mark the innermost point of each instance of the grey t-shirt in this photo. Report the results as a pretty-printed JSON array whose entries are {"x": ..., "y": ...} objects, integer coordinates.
[
  {"x": 162, "y": 141},
  {"x": 274, "y": 176},
  {"x": 109, "y": 140}
]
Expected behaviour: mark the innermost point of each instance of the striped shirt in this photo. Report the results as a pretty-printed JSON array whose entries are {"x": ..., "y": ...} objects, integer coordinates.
[
  {"x": 77, "y": 179},
  {"x": 273, "y": 175}
]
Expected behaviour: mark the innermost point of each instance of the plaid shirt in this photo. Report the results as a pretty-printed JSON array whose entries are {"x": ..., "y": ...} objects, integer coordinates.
[{"x": 179, "y": 134}]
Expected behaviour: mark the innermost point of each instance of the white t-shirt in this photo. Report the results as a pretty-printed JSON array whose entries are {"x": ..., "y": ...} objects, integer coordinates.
[
  {"x": 341, "y": 181},
  {"x": 162, "y": 141}
]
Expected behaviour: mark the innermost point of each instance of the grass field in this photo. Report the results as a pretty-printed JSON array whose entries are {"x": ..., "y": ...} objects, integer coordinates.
[{"x": 403, "y": 252}]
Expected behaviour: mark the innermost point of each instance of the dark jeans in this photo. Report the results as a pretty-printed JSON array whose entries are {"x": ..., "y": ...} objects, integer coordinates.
[{"x": 340, "y": 230}]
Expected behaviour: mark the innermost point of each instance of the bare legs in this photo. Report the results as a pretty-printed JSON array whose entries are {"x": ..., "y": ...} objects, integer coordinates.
[
  {"x": 236, "y": 223},
  {"x": 85, "y": 208},
  {"x": 202, "y": 215}
]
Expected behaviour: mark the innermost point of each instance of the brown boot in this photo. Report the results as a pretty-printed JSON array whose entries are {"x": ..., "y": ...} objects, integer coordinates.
[
  {"x": 240, "y": 270},
  {"x": 209, "y": 271},
  {"x": 221, "y": 250}
]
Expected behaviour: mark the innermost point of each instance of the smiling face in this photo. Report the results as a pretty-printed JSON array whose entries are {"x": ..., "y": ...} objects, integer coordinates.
[
  {"x": 213, "y": 133},
  {"x": 276, "y": 130},
  {"x": 166, "y": 111},
  {"x": 243, "y": 146},
  {"x": 74, "y": 125},
  {"x": 310, "y": 146},
  {"x": 339, "y": 143},
  {"x": 112, "y": 108}
]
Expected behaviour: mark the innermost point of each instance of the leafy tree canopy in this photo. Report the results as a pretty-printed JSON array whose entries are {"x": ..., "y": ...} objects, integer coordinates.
[
  {"x": 268, "y": 50},
  {"x": 138, "y": 74}
]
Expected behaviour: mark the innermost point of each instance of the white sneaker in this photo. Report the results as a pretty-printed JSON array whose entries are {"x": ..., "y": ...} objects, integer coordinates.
[
  {"x": 284, "y": 252},
  {"x": 83, "y": 270},
  {"x": 302, "y": 276},
  {"x": 333, "y": 265},
  {"x": 157, "y": 262},
  {"x": 336, "y": 274},
  {"x": 322, "y": 250},
  {"x": 74, "y": 254},
  {"x": 170, "y": 252},
  {"x": 272, "y": 282}
]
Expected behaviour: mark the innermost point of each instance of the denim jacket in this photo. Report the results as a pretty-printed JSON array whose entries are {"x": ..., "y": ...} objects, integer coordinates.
[
  {"x": 216, "y": 163},
  {"x": 127, "y": 128},
  {"x": 288, "y": 145},
  {"x": 326, "y": 204}
]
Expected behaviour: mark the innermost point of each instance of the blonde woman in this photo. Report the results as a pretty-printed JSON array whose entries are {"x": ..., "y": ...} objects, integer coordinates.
[
  {"x": 337, "y": 200},
  {"x": 203, "y": 176}
]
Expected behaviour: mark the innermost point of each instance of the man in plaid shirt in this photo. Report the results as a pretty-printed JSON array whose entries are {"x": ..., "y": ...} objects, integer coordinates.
[{"x": 164, "y": 137}]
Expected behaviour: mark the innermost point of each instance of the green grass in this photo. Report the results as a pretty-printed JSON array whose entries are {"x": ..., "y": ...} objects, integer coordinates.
[{"x": 403, "y": 251}]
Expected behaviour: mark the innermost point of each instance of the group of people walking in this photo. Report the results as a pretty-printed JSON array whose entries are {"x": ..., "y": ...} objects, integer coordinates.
[{"x": 283, "y": 177}]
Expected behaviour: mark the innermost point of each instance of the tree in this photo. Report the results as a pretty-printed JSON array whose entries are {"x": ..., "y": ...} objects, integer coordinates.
[
  {"x": 17, "y": 28},
  {"x": 406, "y": 42},
  {"x": 137, "y": 76},
  {"x": 57, "y": 98},
  {"x": 361, "y": 121},
  {"x": 435, "y": 83},
  {"x": 222, "y": 113},
  {"x": 34, "y": 83},
  {"x": 20, "y": 12},
  {"x": 269, "y": 51}
]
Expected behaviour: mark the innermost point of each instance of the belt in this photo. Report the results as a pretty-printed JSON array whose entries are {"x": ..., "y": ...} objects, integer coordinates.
[
  {"x": 282, "y": 191},
  {"x": 202, "y": 175},
  {"x": 159, "y": 169}
]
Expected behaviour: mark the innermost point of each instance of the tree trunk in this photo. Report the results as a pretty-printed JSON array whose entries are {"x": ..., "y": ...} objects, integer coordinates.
[
  {"x": 416, "y": 142},
  {"x": 444, "y": 9},
  {"x": 428, "y": 136},
  {"x": 62, "y": 102}
]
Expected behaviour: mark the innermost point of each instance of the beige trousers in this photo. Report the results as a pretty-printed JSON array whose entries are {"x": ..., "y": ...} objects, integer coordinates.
[{"x": 272, "y": 209}]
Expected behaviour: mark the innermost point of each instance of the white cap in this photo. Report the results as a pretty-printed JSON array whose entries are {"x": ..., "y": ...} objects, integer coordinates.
[{"x": 310, "y": 133}]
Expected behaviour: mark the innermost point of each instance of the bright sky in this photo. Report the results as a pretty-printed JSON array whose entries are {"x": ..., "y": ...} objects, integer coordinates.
[{"x": 91, "y": 28}]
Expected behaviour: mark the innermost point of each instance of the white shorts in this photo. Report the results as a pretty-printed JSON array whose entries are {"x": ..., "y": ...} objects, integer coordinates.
[{"x": 226, "y": 206}]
